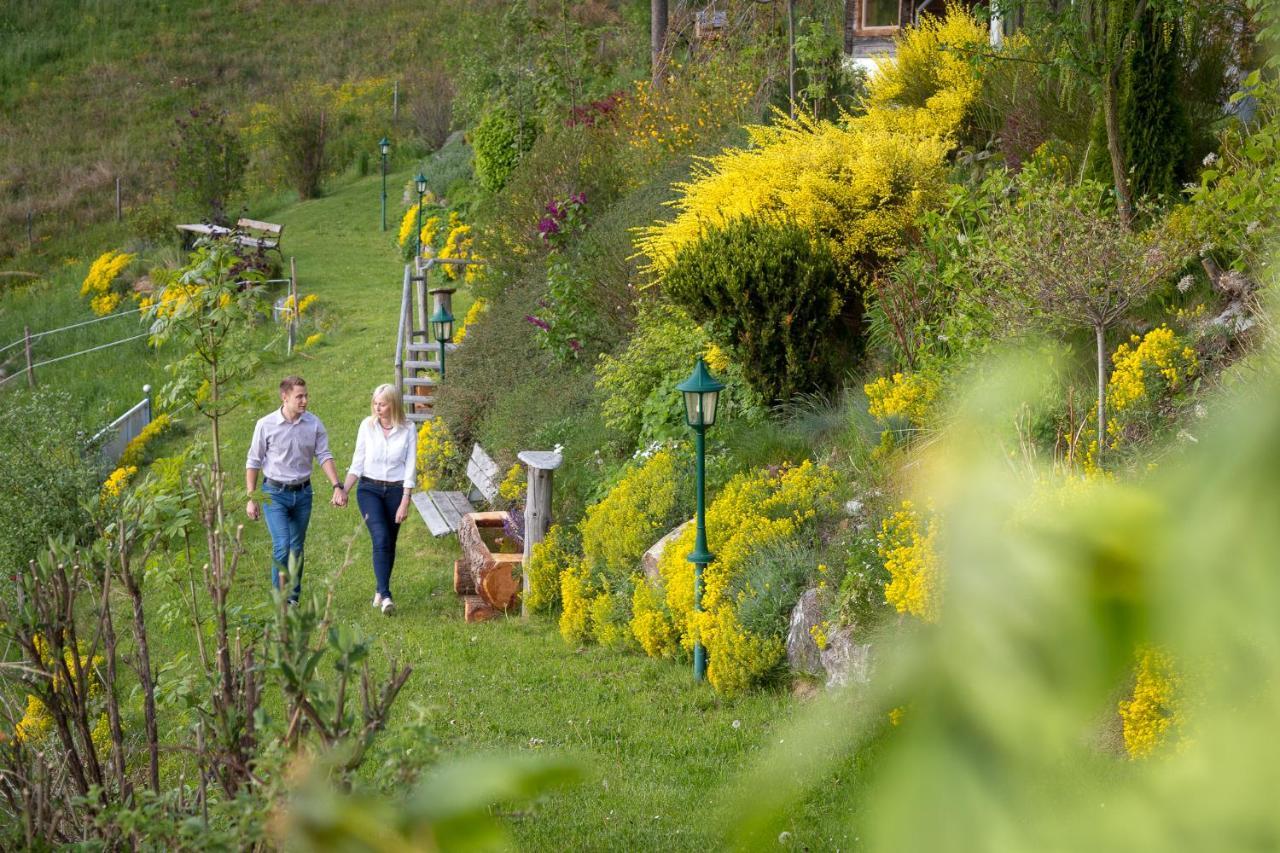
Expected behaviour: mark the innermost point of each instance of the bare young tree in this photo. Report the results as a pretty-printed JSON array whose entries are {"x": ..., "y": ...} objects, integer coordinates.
[{"x": 1058, "y": 261}]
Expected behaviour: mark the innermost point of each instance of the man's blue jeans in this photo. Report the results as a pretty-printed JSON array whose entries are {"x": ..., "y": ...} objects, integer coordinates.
[{"x": 287, "y": 514}]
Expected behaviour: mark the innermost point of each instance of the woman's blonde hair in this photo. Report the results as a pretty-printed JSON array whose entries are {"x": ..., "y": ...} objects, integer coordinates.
[{"x": 392, "y": 395}]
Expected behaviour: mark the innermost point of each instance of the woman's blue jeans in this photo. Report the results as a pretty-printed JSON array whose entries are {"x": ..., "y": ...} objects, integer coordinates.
[
  {"x": 287, "y": 514},
  {"x": 378, "y": 505}
]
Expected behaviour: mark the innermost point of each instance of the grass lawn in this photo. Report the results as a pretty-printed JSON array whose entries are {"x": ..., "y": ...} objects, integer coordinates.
[{"x": 655, "y": 746}]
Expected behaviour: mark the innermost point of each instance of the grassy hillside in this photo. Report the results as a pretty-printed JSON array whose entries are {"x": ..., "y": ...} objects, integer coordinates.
[{"x": 89, "y": 89}]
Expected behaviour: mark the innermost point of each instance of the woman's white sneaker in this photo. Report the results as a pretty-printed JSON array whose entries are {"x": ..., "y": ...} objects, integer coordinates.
[
  {"x": 377, "y": 599},
  {"x": 388, "y": 606}
]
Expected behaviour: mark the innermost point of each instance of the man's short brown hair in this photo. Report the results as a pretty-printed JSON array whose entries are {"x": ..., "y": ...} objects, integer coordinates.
[{"x": 290, "y": 382}]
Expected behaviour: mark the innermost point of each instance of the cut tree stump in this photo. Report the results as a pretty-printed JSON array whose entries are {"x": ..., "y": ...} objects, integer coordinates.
[
  {"x": 463, "y": 584},
  {"x": 492, "y": 573},
  {"x": 475, "y": 609}
]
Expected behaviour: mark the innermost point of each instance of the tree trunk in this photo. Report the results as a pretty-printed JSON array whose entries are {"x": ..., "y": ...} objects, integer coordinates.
[
  {"x": 657, "y": 39},
  {"x": 1099, "y": 332},
  {"x": 1119, "y": 169}
]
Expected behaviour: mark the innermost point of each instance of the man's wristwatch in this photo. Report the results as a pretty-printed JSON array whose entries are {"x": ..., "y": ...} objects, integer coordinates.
[{"x": 337, "y": 485}]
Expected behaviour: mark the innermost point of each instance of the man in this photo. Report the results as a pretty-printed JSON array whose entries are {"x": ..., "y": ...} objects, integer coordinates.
[{"x": 285, "y": 445}]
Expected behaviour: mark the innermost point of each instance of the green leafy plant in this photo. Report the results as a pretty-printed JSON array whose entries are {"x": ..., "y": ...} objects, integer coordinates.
[
  {"x": 499, "y": 141},
  {"x": 770, "y": 295}
]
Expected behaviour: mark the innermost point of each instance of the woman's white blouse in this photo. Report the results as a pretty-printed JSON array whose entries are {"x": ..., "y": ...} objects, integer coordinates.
[{"x": 386, "y": 457}]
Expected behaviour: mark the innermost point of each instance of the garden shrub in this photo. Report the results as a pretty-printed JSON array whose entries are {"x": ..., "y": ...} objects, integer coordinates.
[
  {"x": 557, "y": 550},
  {"x": 499, "y": 141},
  {"x": 770, "y": 583},
  {"x": 103, "y": 284},
  {"x": 860, "y": 183},
  {"x": 906, "y": 544},
  {"x": 44, "y": 473},
  {"x": 438, "y": 456},
  {"x": 1152, "y": 715},
  {"x": 577, "y": 591},
  {"x": 1147, "y": 371},
  {"x": 649, "y": 499},
  {"x": 754, "y": 510},
  {"x": 771, "y": 296}
]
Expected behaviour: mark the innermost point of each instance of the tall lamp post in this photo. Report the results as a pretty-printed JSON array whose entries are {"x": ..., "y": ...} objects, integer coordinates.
[
  {"x": 701, "y": 393},
  {"x": 421, "y": 182},
  {"x": 384, "y": 145},
  {"x": 442, "y": 328}
]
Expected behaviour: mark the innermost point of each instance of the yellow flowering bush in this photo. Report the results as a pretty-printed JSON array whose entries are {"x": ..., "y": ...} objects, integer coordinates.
[
  {"x": 650, "y": 624},
  {"x": 132, "y": 456},
  {"x": 457, "y": 246},
  {"x": 312, "y": 340},
  {"x": 114, "y": 486},
  {"x": 637, "y": 511},
  {"x": 513, "y": 485},
  {"x": 477, "y": 309},
  {"x": 932, "y": 86},
  {"x": 861, "y": 182},
  {"x": 547, "y": 561},
  {"x": 1146, "y": 369},
  {"x": 437, "y": 453},
  {"x": 410, "y": 219},
  {"x": 1151, "y": 714},
  {"x": 609, "y": 620},
  {"x": 697, "y": 102},
  {"x": 753, "y": 510},
  {"x": 35, "y": 723},
  {"x": 906, "y": 543},
  {"x": 576, "y": 595},
  {"x": 99, "y": 283},
  {"x": 906, "y": 396}
]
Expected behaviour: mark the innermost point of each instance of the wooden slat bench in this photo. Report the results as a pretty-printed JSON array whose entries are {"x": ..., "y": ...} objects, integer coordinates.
[
  {"x": 253, "y": 234},
  {"x": 443, "y": 511}
]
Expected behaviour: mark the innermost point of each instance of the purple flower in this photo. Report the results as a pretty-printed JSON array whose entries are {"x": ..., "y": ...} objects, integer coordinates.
[
  {"x": 578, "y": 198},
  {"x": 554, "y": 208},
  {"x": 575, "y": 345},
  {"x": 541, "y": 324},
  {"x": 547, "y": 227}
]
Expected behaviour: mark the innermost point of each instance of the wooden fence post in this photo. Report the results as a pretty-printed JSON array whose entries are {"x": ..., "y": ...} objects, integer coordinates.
[
  {"x": 293, "y": 296},
  {"x": 537, "y": 507},
  {"x": 117, "y": 199},
  {"x": 26, "y": 346}
]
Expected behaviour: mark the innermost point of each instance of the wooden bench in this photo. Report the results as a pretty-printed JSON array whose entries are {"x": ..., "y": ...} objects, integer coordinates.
[
  {"x": 253, "y": 234},
  {"x": 443, "y": 511}
]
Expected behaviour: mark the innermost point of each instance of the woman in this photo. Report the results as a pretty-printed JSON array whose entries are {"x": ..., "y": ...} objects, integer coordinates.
[{"x": 384, "y": 464}]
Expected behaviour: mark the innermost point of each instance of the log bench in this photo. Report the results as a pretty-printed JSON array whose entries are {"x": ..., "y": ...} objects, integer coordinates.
[
  {"x": 263, "y": 236},
  {"x": 443, "y": 511}
]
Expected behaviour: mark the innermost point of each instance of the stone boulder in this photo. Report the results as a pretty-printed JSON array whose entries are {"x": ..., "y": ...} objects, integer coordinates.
[
  {"x": 803, "y": 654},
  {"x": 845, "y": 660},
  {"x": 649, "y": 562}
]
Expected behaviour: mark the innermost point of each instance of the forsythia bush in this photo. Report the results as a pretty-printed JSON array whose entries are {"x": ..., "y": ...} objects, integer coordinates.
[
  {"x": 861, "y": 182},
  {"x": 650, "y": 624},
  {"x": 98, "y": 284},
  {"x": 430, "y": 224},
  {"x": 437, "y": 454},
  {"x": 513, "y": 485},
  {"x": 1146, "y": 369},
  {"x": 906, "y": 396},
  {"x": 1151, "y": 714},
  {"x": 906, "y": 543},
  {"x": 697, "y": 102},
  {"x": 753, "y": 510},
  {"x": 37, "y": 722},
  {"x": 133, "y": 451}
]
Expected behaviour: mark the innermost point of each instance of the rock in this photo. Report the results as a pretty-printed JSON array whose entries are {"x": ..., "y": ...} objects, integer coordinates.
[
  {"x": 649, "y": 562},
  {"x": 846, "y": 661},
  {"x": 803, "y": 654}
]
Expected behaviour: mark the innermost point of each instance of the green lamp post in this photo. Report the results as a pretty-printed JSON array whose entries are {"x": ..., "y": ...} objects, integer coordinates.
[
  {"x": 442, "y": 328},
  {"x": 384, "y": 145},
  {"x": 421, "y": 183},
  {"x": 701, "y": 393}
]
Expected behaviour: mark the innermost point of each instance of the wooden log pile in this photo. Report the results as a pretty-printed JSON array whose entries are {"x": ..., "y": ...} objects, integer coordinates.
[{"x": 485, "y": 579}]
